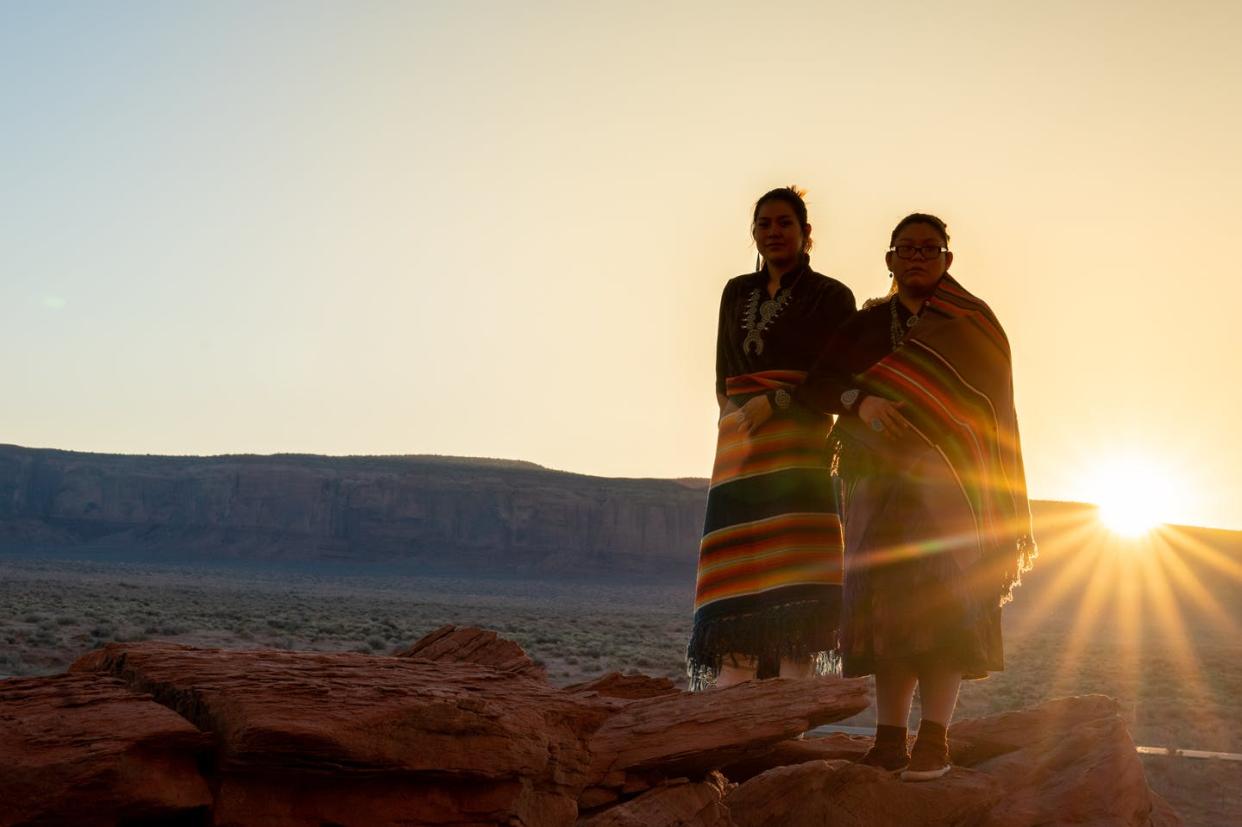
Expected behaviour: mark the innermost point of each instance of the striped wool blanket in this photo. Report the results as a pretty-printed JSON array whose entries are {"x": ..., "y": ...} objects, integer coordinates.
[
  {"x": 953, "y": 371},
  {"x": 770, "y": 561}
]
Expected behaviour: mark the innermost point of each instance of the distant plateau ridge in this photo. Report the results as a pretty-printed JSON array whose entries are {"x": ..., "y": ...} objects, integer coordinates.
[{"x": 438, "y": 514}]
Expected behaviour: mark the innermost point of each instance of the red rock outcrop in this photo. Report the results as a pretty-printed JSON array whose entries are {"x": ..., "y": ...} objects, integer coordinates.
[
  {"x": 459, "y": 730},
  {"x": 625, "y": 687},
  {"x": 690, "y": 734},
  {"x": 87, "y": 750},
  {"x": 1068, "y": 761},
  {"x": 1071, "y": 760},
  {"x": 852, "y": 795},
  {"x": 454, "y": 644},
  {"x": 385, "y": 740},
  {"x": 833, "y": 746},
  {"x": 676, "y": 803},
  {"x": 372, "y": 740}
]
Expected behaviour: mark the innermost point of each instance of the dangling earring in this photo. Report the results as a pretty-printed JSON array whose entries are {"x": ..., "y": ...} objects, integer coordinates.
[
  {"x": 757, "y": 259},
  {"x": 890, "y": 274}
]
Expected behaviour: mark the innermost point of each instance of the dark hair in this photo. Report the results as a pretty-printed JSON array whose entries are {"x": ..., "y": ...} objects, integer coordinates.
[
  {"x": 791, "y": 195},
  {"x": 920, "y": 218}
]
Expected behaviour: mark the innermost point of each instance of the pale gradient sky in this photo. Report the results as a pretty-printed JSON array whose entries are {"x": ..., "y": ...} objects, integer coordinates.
[{"x": 501, "y": 228}]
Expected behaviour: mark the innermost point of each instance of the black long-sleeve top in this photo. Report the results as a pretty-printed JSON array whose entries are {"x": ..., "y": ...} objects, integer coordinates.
[
  {"x": 817, "y": 306},
  {"x": 864, "y": 339}
]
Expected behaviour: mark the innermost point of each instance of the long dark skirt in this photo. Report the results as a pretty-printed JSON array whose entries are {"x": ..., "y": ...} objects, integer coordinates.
[{"x": 910, "y": 591}]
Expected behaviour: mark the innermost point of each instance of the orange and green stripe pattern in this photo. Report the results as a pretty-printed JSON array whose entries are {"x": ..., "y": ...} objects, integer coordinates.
[
  {"x": 781, "y": 444},
  {"x": 758, "y": 556},
  {"x": 772, "y": 520},
  {"x": 953, "y": 372}
]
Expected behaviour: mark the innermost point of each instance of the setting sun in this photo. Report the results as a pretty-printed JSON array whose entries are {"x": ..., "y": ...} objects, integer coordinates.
[
  {"x": 1134, "y": 496},
  {"x": 1127, "y": 519}
]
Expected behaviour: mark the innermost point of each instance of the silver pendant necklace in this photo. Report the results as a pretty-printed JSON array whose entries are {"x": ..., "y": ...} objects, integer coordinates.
[
  {"x": 897, "y": 331},
  {"x": 760, "y": 315}
]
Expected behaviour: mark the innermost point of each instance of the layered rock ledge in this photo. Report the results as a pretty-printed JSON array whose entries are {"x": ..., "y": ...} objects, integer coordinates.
[{"x": 462, "y": 729}]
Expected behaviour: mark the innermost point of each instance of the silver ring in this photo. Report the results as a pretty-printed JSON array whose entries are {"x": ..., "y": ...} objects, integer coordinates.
[{"x": 877, "y": 425}]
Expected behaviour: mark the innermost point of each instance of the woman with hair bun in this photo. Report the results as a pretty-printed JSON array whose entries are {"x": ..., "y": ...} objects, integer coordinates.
[
  {"x": 768, "y": 590},
  {"x": 937, "y": 524}
]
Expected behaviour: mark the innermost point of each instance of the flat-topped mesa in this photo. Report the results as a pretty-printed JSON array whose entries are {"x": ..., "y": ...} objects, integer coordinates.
[
  {"x": 455, "y": 515},
  {"x": 460, "y": 729}
]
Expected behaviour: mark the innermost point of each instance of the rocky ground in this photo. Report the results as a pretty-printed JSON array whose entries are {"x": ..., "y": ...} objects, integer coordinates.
[
  {"x": 462, "y": 728},
  {"x": 52, "y": 612}
]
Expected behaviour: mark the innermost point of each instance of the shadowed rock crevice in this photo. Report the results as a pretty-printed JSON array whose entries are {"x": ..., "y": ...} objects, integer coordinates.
[{"x": 87, "y": 750}]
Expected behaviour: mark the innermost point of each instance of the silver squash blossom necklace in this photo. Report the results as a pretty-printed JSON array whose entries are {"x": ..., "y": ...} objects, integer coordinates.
[{"x": 760, "y": 316}]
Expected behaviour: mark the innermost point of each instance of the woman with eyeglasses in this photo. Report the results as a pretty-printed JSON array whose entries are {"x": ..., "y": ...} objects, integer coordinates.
[
  {"x": 768, "y": 591},
  {"x": 937, "y": 525}
]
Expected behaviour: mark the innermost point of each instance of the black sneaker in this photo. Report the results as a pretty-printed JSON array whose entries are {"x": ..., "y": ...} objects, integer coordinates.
[
  {"x": 928, "y": 761},
  {"x": 892, "y": 759}
]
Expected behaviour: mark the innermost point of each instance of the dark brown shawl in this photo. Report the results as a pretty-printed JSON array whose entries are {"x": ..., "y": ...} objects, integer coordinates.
[{"x": 953, "y": 372}]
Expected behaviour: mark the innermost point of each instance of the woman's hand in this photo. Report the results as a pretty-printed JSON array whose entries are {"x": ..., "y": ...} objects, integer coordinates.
[
  {"x": 883, "y": 415},
  {"x": 754, "y": 413}
]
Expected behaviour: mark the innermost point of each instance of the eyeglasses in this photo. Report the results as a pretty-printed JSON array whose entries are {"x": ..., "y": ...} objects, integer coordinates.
[{"x": 907, "y": 251}]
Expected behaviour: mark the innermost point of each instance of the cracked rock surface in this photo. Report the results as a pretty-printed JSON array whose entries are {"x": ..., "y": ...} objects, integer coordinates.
[{"x": 463, "y": 729}]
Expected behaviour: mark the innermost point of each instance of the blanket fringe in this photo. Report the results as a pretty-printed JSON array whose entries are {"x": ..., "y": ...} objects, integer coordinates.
[{"x": 797, "y": 631}]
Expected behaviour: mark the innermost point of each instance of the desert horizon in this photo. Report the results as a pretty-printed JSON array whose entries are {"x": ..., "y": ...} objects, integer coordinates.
[
  {"x": 1086, "y": 619},
  {"x": 698, "y": 482}
]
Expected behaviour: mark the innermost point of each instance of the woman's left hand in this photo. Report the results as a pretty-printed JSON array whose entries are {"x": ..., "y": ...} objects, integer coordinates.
[{"x": 754, "y": 413}]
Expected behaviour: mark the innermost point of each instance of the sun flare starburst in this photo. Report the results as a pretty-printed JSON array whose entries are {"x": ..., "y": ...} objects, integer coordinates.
[
  {"x": 1127, "y": 518},
  {"x": 1133, "y": 496}
]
